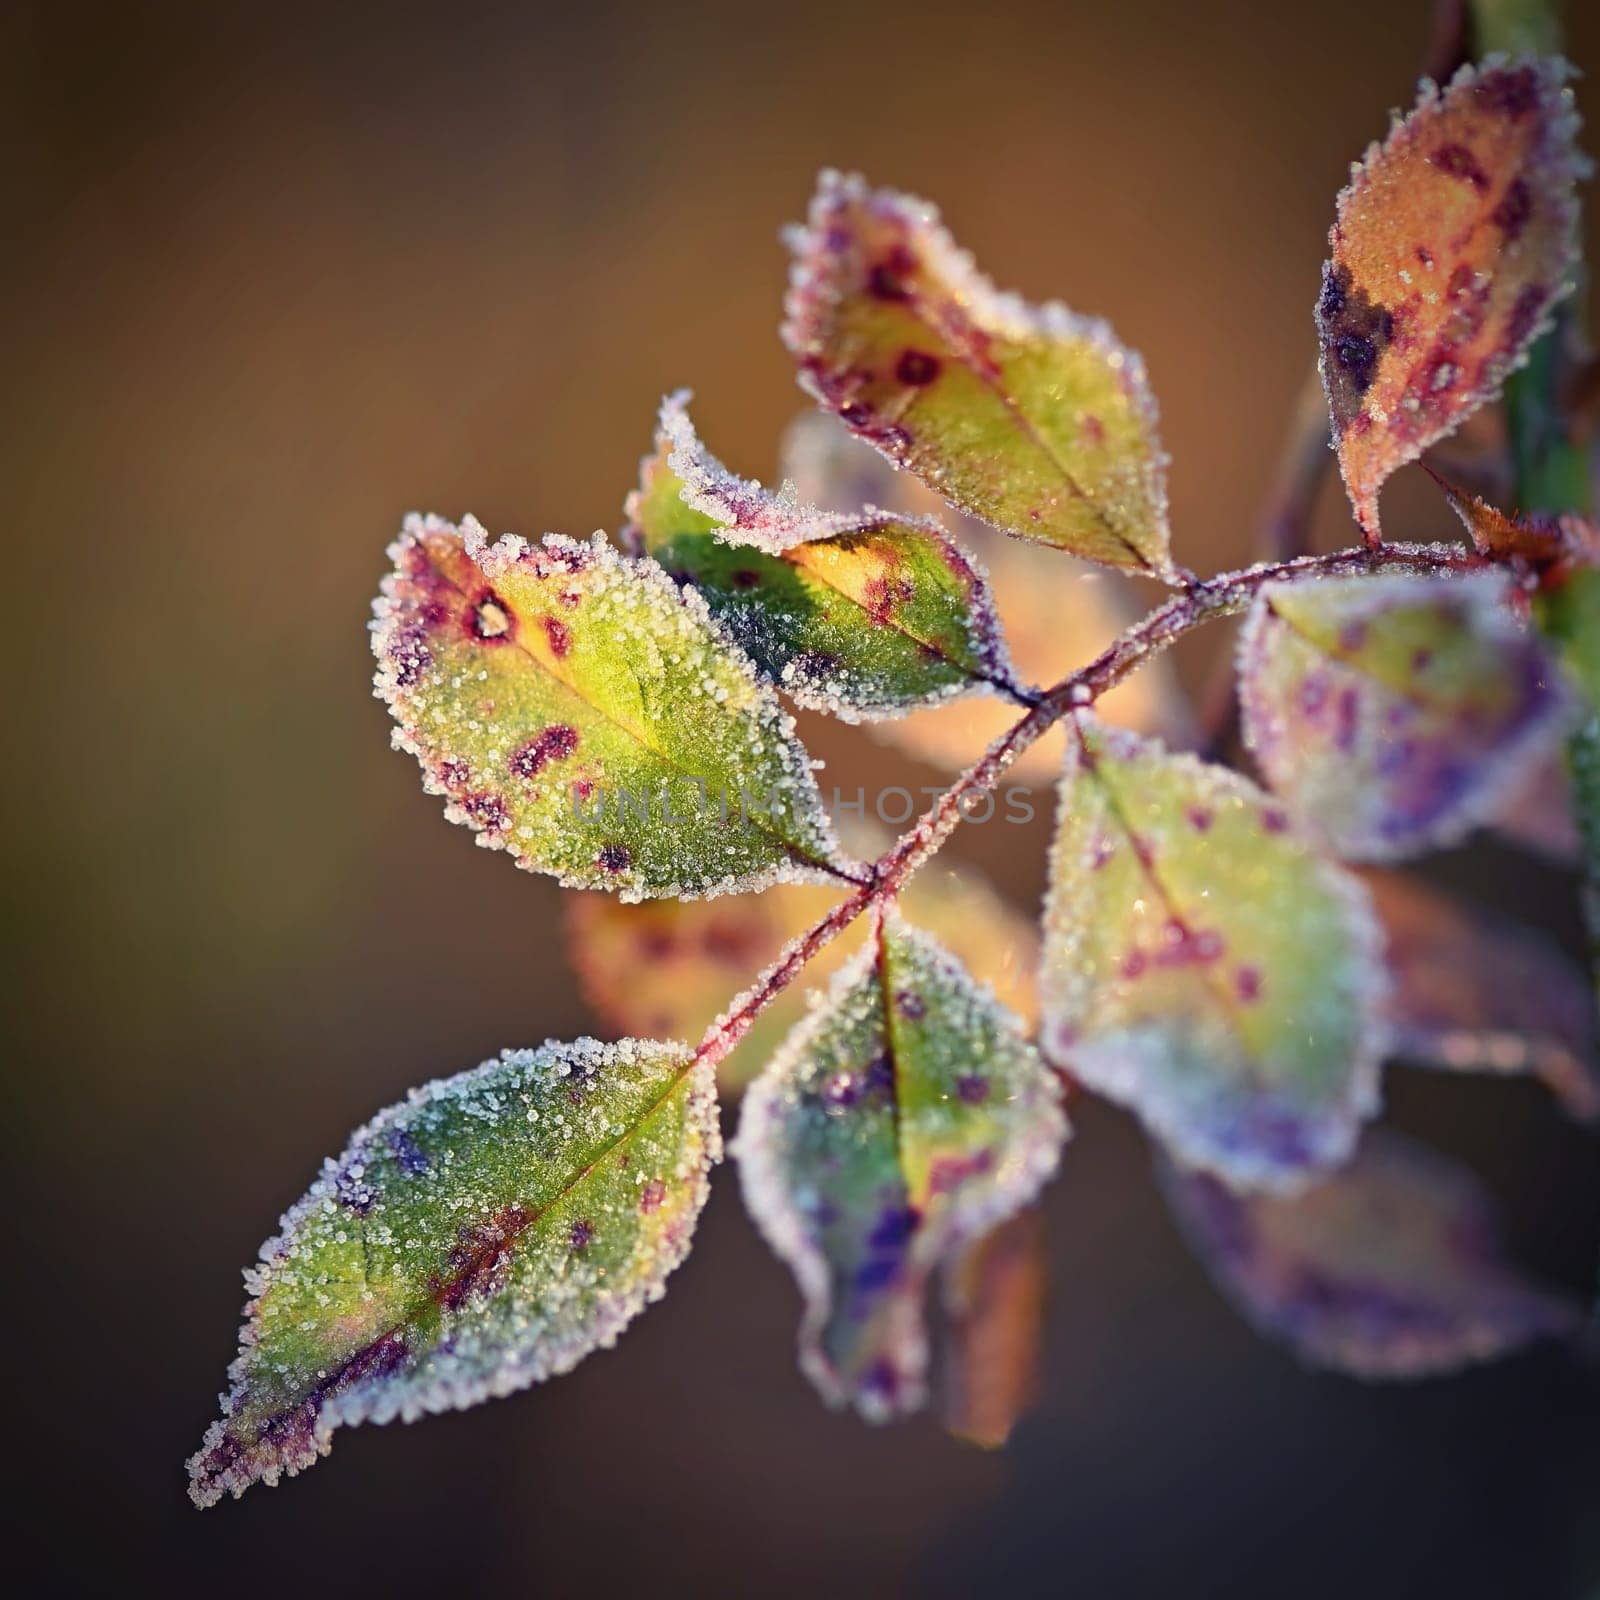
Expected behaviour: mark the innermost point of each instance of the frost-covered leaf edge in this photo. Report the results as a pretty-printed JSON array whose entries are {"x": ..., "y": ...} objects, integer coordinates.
[
  {"x": 1506, "y": 776},
  {"x": 506, "y": 549},
  {"x": 1363, "y": 1097},
  {"x": 775, "y": 521},
  {"x": 696, "y": 1080}
]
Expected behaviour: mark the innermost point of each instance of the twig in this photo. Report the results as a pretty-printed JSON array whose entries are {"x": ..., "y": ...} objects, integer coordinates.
[{"x": 1221, "y": 596}]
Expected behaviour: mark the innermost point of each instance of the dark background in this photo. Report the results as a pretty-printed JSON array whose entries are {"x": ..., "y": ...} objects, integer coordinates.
[{"x": 275, "y": 274}]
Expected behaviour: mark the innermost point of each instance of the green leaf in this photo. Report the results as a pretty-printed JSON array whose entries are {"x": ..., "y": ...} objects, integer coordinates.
[
  {"x": 1477, "y": 993},
  {"x": 905, "y": 1116},
  {"x": 667, "y": 968},
  {"x": 1205, "y": 966},
  {"x": 1033, "y": 419},
  {"x": 579, "y": 714},
  {"x": 483, "y": 1235},
  {"x": 1389, "y": 1269},
  {"x": 862, "y": 615},
  {"x": 1394, "y": 713},
  {"x": 1452, "y": 244}
]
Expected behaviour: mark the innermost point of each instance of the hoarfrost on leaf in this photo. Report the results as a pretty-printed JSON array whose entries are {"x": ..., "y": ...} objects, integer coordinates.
[
  {"x": 860, "y": 614},
  {"x": 905, "y": 1116},
  {"x": 1393, "y": 713},
  {"x": 1451, "y": 245},
  {"x": 1207, "y": 967},
  {"x": 1031, "y": 418},
  {"x": 1059, "y": 613},
  {"x": 574, "y": 711},
  {"x": 486, "y": 1233}
]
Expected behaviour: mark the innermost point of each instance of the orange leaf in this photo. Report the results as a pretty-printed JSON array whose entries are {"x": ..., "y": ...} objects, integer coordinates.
[{"x": 1452, "y": 243}]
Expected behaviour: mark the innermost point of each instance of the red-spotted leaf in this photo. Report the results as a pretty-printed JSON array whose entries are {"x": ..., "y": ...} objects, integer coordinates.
[
  {"x": 665, "y": 969},
  {"x": 1472, "y": 993},
  {"x": 1390, "y": 1269},
  {"x": 577, "y": 713},
  {"x": 1205, "y": 966},
  {"x": 993, "y": 1301},
  {"x": 1058, "y": 612},
  {"x": 864, "y": 614},
  {"x": 1393, "y": 713},
  {"x": 483, "y": 1235},
  {"x": 904, "y": 1117},
  {"x": 1033, "y": 419},
  {"x": 1453, "y": 241}
]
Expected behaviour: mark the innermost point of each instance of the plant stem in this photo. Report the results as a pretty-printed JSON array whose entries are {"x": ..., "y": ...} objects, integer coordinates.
[{"x": 1221, "y": 596}]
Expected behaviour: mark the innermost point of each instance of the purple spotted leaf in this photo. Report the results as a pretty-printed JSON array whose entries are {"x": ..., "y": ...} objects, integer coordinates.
[
  {"x": 1391, "y": 1268},
  {"x": 577, "y": 713},
  {"x": 1474, "y": 993},
  {"x": 1206, "y": 966},
  {"x": 904, "y": 1117},
  {"x": 1031, "y": 418},
  {"x": 481, "y": 1236},
  {"x": 864, "y": 614},
  {"x": 1451, "y": 245},
  {"x": 1394, "y": 713}
]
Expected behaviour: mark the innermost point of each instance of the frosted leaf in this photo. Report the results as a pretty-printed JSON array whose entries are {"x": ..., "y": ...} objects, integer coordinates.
[
  {"x": 667, "y": 968},
  {"x": 993, "y": 1300},
  {"x": 1059, "y": 613},
  {"x": 1394, "y": 713},
  {"x": 1031, "y": 418},
  {"x": 861, "y": 614},
  {"x": 682, "y": 473},
  {"x": 903, "y": 1117},
  {"x": 1205, "y": 966},
  {"x": 1474, "y": 993},
  {"x": 485, "y": 1234},
  {"x": 1391, "y": 1268},
  {"x": 574, "y": 712},
  {"x": 1453, "y": 241}
]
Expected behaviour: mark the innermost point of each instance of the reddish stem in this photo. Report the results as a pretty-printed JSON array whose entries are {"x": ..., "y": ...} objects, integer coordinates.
[{"x": 1221, "y": 596}]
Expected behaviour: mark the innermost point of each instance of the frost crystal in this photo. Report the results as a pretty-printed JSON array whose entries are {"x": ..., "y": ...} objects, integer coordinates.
[
  {"x": 1033, "y": 419},
  {"x": 1206, "y": 967},
  {"x": 576, "y": 712},
  {"x": 859, "y": 614}
]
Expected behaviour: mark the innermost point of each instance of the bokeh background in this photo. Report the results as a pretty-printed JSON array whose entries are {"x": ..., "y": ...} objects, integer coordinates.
[{"x": 275, "y": 274}]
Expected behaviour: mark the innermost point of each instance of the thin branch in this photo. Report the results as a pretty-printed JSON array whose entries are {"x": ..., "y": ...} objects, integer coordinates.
[{"x": 1224, "y": 595}]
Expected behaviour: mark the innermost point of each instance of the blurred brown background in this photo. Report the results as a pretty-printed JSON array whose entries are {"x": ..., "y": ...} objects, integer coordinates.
[{"x": 276, "y": 274}]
